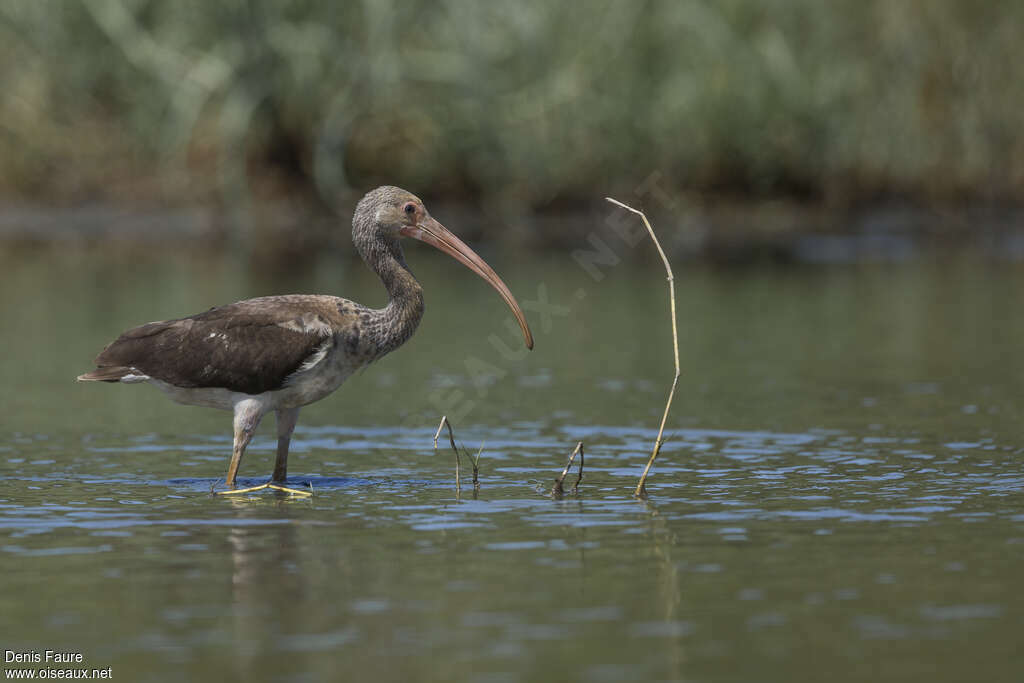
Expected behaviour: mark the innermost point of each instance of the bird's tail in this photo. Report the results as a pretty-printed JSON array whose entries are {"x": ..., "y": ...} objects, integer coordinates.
[{"x": 113, "y": 373}]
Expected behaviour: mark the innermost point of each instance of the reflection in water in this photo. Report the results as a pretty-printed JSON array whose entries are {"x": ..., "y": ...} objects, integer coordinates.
[
  {"x": 264, "y": 583},
  {"x": 663, "y": 540}
]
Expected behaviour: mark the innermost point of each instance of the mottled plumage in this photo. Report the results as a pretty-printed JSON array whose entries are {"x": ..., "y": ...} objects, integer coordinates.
[
  {"x": 250, "y": 346},
  {"x": 282, "y": 352}
]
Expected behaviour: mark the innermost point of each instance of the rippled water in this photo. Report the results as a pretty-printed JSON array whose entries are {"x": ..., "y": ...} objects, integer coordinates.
[{"x": 841, "y": 495}]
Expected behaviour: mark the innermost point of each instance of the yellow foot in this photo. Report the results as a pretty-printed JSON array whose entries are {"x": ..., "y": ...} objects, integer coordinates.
[
  {"x": 268, "y": 485},
  {"x": 294, "y": 492}
]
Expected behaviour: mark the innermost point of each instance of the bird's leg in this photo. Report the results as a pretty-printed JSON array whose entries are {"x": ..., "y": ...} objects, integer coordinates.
[
  {"x": 248, "y": 414},
  {"x": 286, "y": 418}
]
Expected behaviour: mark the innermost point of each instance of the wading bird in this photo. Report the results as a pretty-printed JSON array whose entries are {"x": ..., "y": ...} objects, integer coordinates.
[{"x": 279, "y": 353}]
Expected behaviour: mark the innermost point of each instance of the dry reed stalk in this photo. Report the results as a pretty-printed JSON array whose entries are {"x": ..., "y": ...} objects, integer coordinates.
[
  {"x": 451, "y": 439},
  {"x": 557, "y": 489},
  {"x": 641, "y": 489},
  {"x": 475, "y": 461},
  {"x": 476, "y": 466}
]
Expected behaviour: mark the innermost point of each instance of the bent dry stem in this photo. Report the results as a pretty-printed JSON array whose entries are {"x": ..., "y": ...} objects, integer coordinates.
[
  {"x": 451, "y": 439},
  {"x": 557, "y": 489},
  {"x": 641, "y": 489}
]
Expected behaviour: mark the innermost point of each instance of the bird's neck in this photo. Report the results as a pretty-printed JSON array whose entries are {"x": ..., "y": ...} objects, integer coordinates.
[{"x": 399, "y": 319}]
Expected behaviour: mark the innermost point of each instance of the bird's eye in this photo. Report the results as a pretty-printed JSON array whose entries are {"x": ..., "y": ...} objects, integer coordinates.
[{"x": 410, "y": 208}]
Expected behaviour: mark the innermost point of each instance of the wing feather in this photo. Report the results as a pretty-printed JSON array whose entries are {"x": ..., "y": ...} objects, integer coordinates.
[{"x": 251, "y": 346}]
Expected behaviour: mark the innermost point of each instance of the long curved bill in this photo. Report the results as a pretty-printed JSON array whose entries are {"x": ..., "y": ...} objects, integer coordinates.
[{"x": 436, "y": 235}]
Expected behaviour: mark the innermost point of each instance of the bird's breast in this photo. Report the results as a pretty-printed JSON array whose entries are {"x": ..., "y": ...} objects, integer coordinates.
[{"x": 320, "y": 376}]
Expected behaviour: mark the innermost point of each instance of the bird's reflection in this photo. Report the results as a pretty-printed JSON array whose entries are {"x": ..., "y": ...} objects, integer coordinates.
[{"x": 275, "y": 568}]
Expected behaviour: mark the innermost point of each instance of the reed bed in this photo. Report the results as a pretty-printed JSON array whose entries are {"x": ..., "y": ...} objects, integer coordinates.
[{"x": 519, "y": 105}]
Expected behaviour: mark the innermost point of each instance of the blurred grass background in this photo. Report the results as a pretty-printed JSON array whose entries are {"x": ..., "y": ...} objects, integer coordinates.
[{"x": 515, "y": 108}]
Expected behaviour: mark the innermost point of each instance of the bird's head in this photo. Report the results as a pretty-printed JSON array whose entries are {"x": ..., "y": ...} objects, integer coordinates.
[{"x": 390, "y": 213}]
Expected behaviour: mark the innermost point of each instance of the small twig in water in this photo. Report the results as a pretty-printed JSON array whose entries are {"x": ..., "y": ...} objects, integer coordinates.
[
  {"x": 557, "y": 489},
  {"x": 641, "y": 489},
  {"x": 451, "y": 439},
  {"x": 579, "y": 475},
  {"x": 476, "y": 466},
  {"x": 474, "y": 461}
]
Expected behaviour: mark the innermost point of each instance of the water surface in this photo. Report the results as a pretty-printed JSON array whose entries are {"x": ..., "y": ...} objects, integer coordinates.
[{"x": 840, "y": 494}]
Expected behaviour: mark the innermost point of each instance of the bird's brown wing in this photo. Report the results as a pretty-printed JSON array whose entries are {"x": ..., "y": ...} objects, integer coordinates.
[{"x": 251, "y": 346}]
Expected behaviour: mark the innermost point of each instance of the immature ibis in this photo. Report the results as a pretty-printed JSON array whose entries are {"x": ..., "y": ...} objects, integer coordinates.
[{"x": 279, "y": 353}]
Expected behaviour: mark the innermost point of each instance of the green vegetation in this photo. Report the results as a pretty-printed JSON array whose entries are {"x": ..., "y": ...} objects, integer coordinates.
[{"x": 523, "y": 104}]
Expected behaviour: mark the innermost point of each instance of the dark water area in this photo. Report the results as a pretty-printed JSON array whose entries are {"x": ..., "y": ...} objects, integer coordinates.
[{"x": 841, "y": 493}]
